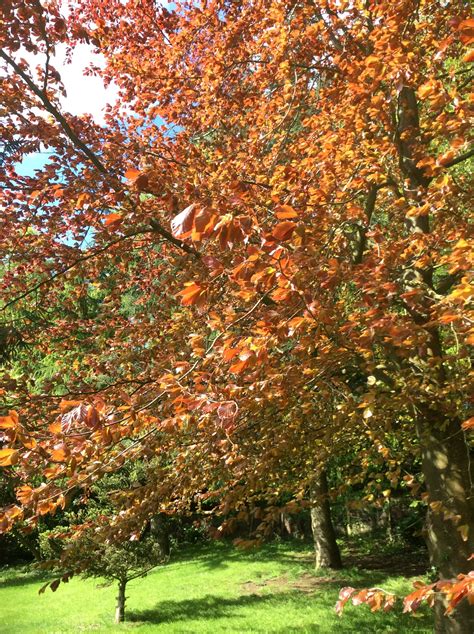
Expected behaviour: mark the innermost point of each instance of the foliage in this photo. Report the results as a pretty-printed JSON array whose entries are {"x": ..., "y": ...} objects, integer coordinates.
[
  {"x": 114, "y": 562},
  {"x": 376, "y": 598}
]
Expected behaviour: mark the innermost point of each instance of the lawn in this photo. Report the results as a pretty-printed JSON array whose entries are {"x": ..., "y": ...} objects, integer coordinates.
[{"x": 210, "y": 589}]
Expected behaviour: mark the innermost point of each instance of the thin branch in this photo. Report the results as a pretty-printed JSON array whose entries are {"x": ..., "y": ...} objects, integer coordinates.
[
  {"x": 460, "y": 158},
  {"x": 158, "y": 228}
]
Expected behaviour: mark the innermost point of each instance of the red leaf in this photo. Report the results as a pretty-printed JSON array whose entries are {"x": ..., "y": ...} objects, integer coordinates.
[
  {"x": 54, "y": 584},
  {"x": 227, "y": 410}
]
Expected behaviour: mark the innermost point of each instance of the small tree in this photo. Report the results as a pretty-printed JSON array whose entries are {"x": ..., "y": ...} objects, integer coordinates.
[{"x": 115, "y": 562}]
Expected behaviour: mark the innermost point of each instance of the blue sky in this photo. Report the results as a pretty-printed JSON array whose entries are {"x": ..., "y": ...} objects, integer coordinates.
[{"x": 32, "y": 162}]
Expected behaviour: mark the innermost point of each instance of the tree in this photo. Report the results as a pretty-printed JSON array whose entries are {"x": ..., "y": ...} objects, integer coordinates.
[
  {"x": 117, "y": 562},
  {"x": 293, "y": 182}
]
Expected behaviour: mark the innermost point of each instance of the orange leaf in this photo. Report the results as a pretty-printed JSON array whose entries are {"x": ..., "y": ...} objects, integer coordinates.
[
  {"x": 230, "y": 353},
  {"x": 24, "y": 494},
  {"x": 283, "y": 212},
  {"x": 112, "y": 219},
  {"x": 237, "y": 368},
  {"x": 191, "y": 294},
  {"x": 283, "y": 230},
  {"x": 56, "y": 427},
  {"x": 59, "y": 453},
  {"x": 469, "y": 56},
  {"x": 468, "y": 424},
  {"x": 467, "y": 31},
  {"x": 7, "y": 422},
  {"x": 132, "y": 174},
  {"x": 137, "y": 178},
  {"x": 64, "y": 406},
  {"x": 8, "y": 457}
]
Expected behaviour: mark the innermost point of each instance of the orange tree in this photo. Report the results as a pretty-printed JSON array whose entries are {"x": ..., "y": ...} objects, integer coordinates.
[{"x": 278, "y": 203}]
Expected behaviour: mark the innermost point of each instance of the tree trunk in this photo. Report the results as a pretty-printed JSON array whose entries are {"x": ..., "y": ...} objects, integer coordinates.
[
  {"x": 121, "y": 598},
  {"x": 445, "y": 458},
  {"x": 446, "y": 469},
  {"x": 326, "y": 550},
  {"x": 159, "y": 527}
]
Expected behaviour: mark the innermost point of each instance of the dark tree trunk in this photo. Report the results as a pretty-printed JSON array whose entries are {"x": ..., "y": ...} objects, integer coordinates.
[
  {"x": 159, "y": 527},
  {"x": 326, "y": 550},
  {"x": 446, "y": 469},
  {"x": 445, "y": 458},
  {"x": 121, "y": 598}
]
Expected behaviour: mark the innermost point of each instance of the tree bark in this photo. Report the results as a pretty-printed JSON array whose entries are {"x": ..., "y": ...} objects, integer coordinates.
[
  {"x": 445, "y": 455},
  {"x": 121, "y": 598},
  {"x": 448, "y": 477},
  {"x": 326, "y": 550}
]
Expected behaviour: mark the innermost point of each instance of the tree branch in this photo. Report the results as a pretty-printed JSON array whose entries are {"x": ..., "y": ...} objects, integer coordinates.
[
  {"x": 73, "y": 137},
  {"x": 460, "y": 158}
]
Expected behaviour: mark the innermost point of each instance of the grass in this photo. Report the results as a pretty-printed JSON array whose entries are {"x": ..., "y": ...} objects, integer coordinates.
[{"x": 208, "y": 589}]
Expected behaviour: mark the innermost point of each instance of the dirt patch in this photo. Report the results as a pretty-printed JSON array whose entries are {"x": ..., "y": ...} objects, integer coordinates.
[{"x": 305, "y": 583}]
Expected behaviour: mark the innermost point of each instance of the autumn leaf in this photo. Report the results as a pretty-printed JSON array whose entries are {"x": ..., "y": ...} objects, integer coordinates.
[
  {"x": 137, "y": 178},
  {"x": 132, "y": 174},
  {"x": 8, "y": 457},
  {"x": 7, "y": 422},
  {"x": 24, "y": 494},
  {"x": 192, "y": 294},
  {"x": 468, "y": 424},
  {"x": 113, "y": 219},
  {"x": 182, "y": 224},
  {"x": 56, "y": 427},
  {"x": 284, "y": 212},
  {"x": 59, "y": 453},
  {"x": 283, "y": 230}
]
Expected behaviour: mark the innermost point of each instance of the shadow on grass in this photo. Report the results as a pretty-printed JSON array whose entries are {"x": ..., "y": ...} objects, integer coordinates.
[
  {"x": 12, "y": 578},
  {"x": 218, "y": 554},
  {"x": 405, "y": 562},
  {"x": 212, "y": 607},
  {"x": 206, "y": 608}
]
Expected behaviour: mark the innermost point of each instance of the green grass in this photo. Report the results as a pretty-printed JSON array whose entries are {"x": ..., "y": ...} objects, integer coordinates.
[{"x": 208, "y": 589}]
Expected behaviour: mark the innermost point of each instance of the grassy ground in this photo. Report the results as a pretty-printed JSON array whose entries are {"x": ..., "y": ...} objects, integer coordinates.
[{"x": 211, "y": 589}]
